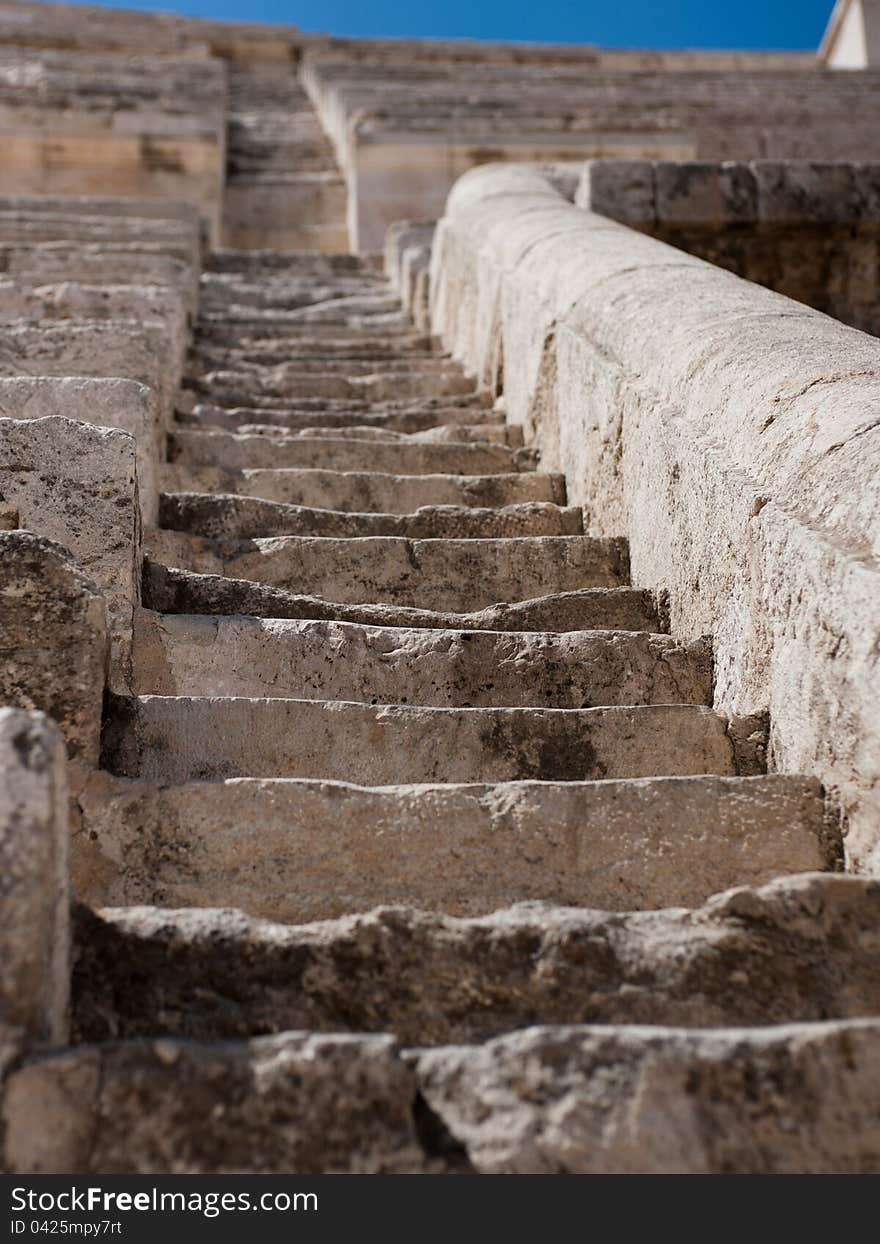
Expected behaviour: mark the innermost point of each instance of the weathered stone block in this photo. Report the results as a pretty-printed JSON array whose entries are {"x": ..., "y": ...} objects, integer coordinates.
[
  {"x": 106, "y": 403},
  {"x": 296, "y": 1103},
  {"x": 621, "y": 189},
  {"x": 712, "y": 195},
  {"x": 77, "y": 484},
  {"x": 34, "y": 900},
  {"x": 53, "y": 642},
  {"x": 797, "y": 1099}
]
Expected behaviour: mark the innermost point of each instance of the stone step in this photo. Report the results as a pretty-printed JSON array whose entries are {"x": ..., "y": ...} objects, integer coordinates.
[
  {"x": 169, "y": 590},
  {"x": 366, "y": 492},
  {"x": 469, "y": 403},
  {"x": 309, "y": 265},
  {"x": 577, "y": 1099},
  {"x": 229, "y": 516},
  {"x": 310, "y": 355},
  {"x": 794, "y": 1099},
  {"x": 299, "y": 850},
  {"x": 199, "y": 655},
  {"x": 452, "y": 575},
  {"x": 411, "y": 420},
  {"x": 240, "y": 451},
  {"x": 293, "y": 363},
  {"x": 291, "y": 1104},
  {"x": 299, "y": 320},
  {"x": 212, "y": 333},
  {"x": 447, "y": 434},
  {"x": 796, "y": 949},
  {"x": 379, "y": 384},
  {"x": 186, "y": 738}
]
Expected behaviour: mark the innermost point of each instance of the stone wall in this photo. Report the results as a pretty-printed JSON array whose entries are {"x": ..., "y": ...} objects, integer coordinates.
[
  {"x": 100, "y": 123},
  {"x": 728, "y": 431},
  {"x": 808, "y": 230},
  {"x": 404, "y": 127}
]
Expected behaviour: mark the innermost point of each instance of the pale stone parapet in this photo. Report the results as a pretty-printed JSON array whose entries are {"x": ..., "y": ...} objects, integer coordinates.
[
  {"x": 729, "y": 431},
  {"x": 34, "y": 891}
]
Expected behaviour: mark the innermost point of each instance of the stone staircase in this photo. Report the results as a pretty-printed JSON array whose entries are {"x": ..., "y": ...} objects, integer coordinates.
[
  {"x": 387, "y": 876},
  {"x": 283, "y": 189}
]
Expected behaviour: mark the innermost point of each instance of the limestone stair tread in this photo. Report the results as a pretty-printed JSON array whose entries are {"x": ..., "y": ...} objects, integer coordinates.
[
  {"x": 792, "y": 950},
  {"x": 299, "y": 850},
  {"x": 171, "y": 590},
  {"x": 232, "y": 516},
  {"x": 185, "y": 738},
  {"x": 181, "y": 654},
  {"x": 365, "y": 491},
  {"x": 458, "y": 575},
  {"x": 291, "y": 1103},
  {"x": 238, "y": 451}
]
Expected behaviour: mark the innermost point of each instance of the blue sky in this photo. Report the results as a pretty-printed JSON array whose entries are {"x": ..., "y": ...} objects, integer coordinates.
[{"x": 795, "y": 24}]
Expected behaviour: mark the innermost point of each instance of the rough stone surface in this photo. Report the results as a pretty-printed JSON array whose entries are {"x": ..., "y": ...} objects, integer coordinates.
[
  {"x": 291, "y": 1104},
  {"x": 390, "y": 676},
  {"x": 795, "y": 1099},
  {"x": 179, "y": 739},
  {"x": 467, "y": 849},
  {"x": 110, "y": 403},
  {"x": 34, "y": 891},
  {"x": 170, "y": 590},
  {"x": 228, "y": 516},
  {"x": 179, "y": 654},
  {"x": 448, "y": 575},
  {"x": 364, "y": 492},
  {"x": 53, "y": 642},
  {"x": 796, "y": 949},
  {"x": 77, "y": 484}
]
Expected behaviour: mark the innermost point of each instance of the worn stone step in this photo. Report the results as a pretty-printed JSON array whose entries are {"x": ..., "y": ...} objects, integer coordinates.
[
  {"x": 794, "y": 1099},
  {"x": 300, "y": 850},
  {"x": 170, "y": 590},
  {"x": 252, "y": 366},
  {"x": 236, "y": 388},
  {"x": 451, "y": 433},
  {"x": 367, "y": 491},
  {"x": 314, "y": 355},
  {"x": 186, "y": 654},
  {"x": 233, "y": 451},
  {"x": 479, "y": 423},
  {"x": 229, "y": 516},
  {"x": 213, "y": 333},
  {"x": 332, "y": 420},
  {"x": 454, "y": 575},
  {"x": 292, "y": 1104},
  {"x": 186, "y": 738},
  {"x": 797, "y": 949},
  {"x": 580, "y": 1099}
]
